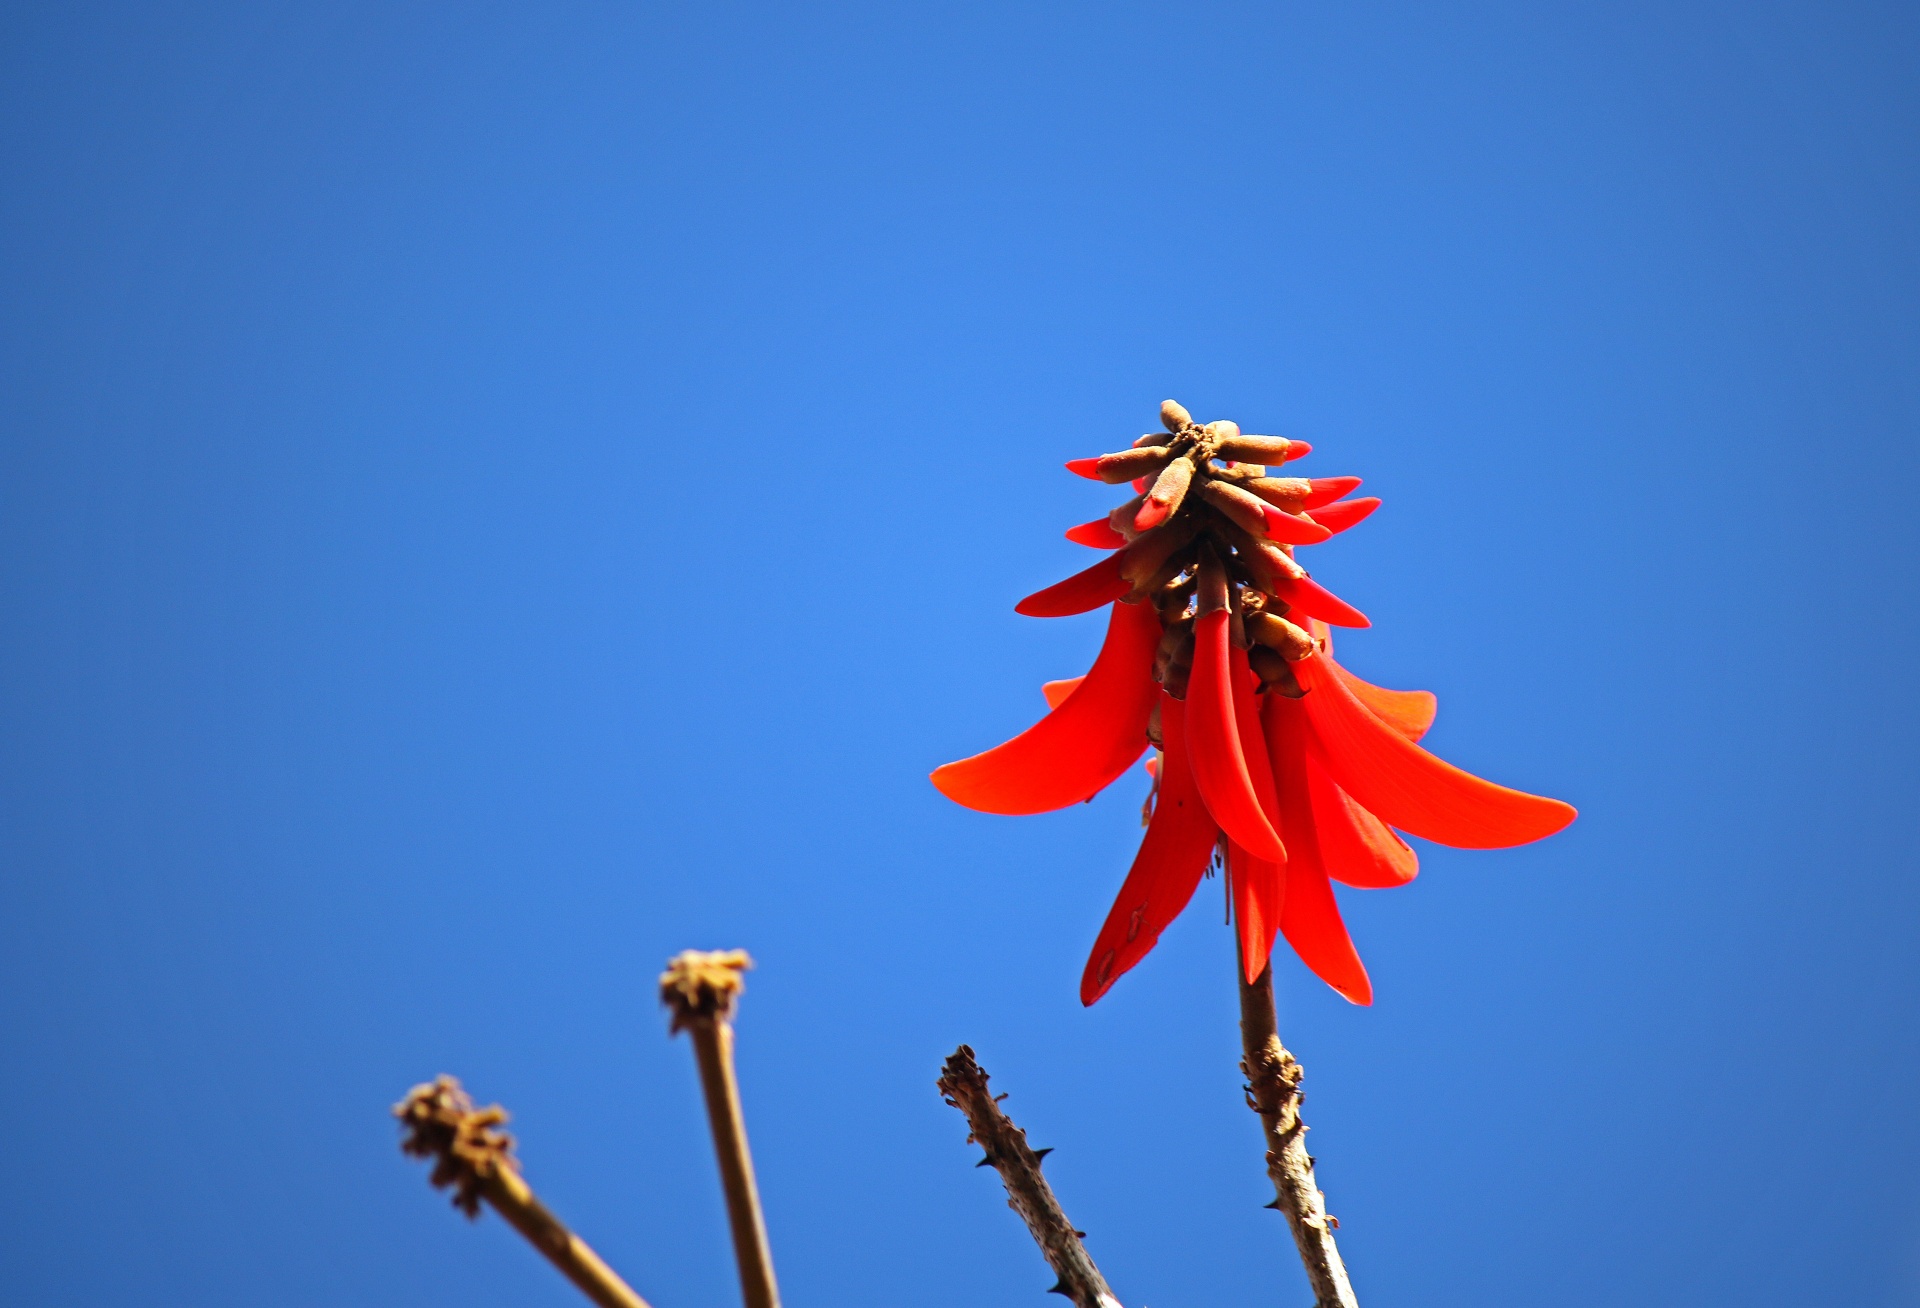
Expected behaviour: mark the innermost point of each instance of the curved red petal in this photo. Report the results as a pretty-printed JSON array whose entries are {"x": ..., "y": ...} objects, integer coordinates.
[
  {"x": 1083, "y": 592},
  {"x": 1356, "y": 848},
  {"x": 1291, "y": 529},
  {"x": 1259, "y": 899},
  {"x": 1219, "y": 764},
  {"x": 1165, "y": 872},
  {"x": 1406, "y": 787},
  {"x": 1409, "y": 712},
  {"x": 1316, "y": 601},
  {"x": 1079, "y": 748},
  {"x": 1310, "y": 919},
  {"x": 1152, "y": 513},
  {"x": 1097, "y": 534},
  {"x": 1057, "y": 691},
  {"x": 1338, "y": 517},
  {"x": 1088, "y": 468},
  {"x": 1297, "y": 450},
  {"x": 1325, "y": 490}
]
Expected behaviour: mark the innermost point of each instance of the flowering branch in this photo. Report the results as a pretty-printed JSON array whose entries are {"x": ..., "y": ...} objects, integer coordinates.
[
  {"x": 1273, "y": 1091},
  {"x": 963, "y": 1083},
  {"x": 700, "y": 989},
  {"x": 475, "y": 1158}
]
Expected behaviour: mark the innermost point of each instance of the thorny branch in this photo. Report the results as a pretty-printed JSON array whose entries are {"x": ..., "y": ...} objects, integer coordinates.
[
  {"x": 963, "y": 1082},
  {"x": 474, "y": 1158},
  {"x": 1273, "y": 1091}
]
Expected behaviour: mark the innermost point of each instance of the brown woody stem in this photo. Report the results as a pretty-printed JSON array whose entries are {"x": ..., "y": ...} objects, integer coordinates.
[
  {"x": 475, "y": 1158},
  {"x": 963, "y": 1082},
  {"x": 701, "y": 989},
  {"x": 1273, "y": 1091}
]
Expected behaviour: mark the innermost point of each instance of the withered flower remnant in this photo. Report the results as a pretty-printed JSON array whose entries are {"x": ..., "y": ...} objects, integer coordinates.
[{"x": 1219, "y": 654}]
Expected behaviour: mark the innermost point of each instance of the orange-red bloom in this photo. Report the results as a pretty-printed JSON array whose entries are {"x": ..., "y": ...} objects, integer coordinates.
[{"x": 1219, "y": 653}]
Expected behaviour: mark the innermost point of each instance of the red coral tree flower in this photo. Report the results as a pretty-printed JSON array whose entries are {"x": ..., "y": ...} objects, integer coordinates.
[{"x": 1219, "y": 654}]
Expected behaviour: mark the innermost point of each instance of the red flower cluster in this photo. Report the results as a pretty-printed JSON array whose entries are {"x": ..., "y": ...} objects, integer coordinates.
[{"x": 1218, "y": 652}]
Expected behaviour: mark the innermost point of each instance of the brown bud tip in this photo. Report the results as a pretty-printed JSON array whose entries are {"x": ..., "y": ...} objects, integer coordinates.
[
  {"x": 1173, "y": 417},
  {"x": 1169, "y": 489},
  {"x": 700, "y": 985},
  {"x": 466, "y": 1143},
  {"x": 1273, "y": 672},
  {"x": 1223, "y": 430},
  {"x": 1153, "y": 438}
]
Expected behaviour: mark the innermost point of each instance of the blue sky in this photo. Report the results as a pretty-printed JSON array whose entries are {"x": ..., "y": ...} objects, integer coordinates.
[{"x": 492, "y": 496}]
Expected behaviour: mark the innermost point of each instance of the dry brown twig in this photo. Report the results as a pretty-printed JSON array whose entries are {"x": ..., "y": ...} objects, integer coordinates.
[
  {"x": 964, "y": 1084},
  {"x": 474, "y": 1158},
  {"x": 1273, "y": 1091},
  {"x": 701, "y": 990}
]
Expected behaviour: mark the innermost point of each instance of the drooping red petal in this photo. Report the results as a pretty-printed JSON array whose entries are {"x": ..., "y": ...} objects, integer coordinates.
[
  {"x": 1219, "y": 765},
  {"x": 1179, "y": 840},
  {"x": 1325, "y": 490},
  {"x": 1316, "y": 601},
  {"x": 1083, "y": 592},
  {"x": 1057, "y": 691},
  {"x": 1259, "y": 885},
  {"x": 1310, "y": 919},
  {"x": 1079, "y": 748},
  {"x": 1338, "y": 517},
  {"x": 1292, "y": 529},
  {"x": 1098, "y": 534},
  {"x": 1259, "y": 899},
  {"x": 1356, "y": 847},
  {"x": 1409, "y": 712},
  {"x": 1406, "y": 787}
]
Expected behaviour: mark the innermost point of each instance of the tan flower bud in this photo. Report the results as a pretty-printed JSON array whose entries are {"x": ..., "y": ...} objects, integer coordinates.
[
  {"x": 1288, "y": 494},
  {"x": 1240, "y": 508},
  {"x": 1173, "y": 417},
  {"x": 1168, "y": 490},
  {"x": 1223, "y": 430},
  {"x": 1253, "y": 449},
  {"x": 1279, "y": 635}
]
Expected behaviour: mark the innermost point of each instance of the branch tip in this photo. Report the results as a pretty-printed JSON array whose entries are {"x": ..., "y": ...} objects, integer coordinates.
[{"x": 699, "y": 985}]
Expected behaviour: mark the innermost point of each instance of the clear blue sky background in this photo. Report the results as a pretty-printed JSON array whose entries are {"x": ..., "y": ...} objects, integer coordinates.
[{"x": 492, "y": 496}]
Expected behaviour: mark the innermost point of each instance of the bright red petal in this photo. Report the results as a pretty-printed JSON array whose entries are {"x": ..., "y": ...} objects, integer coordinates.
[
  {"x": 1057, "y": 691},
  {"x": 1409, "y": 712},
  {"x": 1096, "y": 534},
  {"x": 1356, "y": 848},
  {"x": 1338, "y": 517},
  {"x": 1316, "y": 601},
  {"x": 1259, "y": 899},
  {"x": 1291, "y": 529},
  {"x": 1406, "y": 787},
  {"x": 1083, "y": 592},
  {"x": 1179, "y": 840},
  {"x": 1310, "y": 919},
  {"x": 1088, "y": 468},
  {"x": 1079, "y": 748},
  {"x": 1325, "y": 490},
  {"x": 1297, "y": 450},
  {"x": 1219, "y": 765}
]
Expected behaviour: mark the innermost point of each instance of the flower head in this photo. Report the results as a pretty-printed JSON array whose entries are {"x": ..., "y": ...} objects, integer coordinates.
[{"x": 1219, "y": 655}]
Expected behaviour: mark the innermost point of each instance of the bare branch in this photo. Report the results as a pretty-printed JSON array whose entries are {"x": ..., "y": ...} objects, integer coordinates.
[
  {"x": 701, "y": 990},
  {"x": 964, "y": 1084},
  {"x": 474, "y": 1157},
  {"x": 1273, "y": 1091}
]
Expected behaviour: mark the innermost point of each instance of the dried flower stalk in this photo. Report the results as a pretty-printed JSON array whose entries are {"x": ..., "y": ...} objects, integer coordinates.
[
  {"x": 1273, "y": 1091},
  {"x": 474, "y": 1158},
  {"x": 963, "y": 1083},
  {"x": 701, "y": 990}
]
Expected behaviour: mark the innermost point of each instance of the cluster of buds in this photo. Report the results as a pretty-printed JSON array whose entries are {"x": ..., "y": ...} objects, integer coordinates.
[{"x": 1207, "y": 531}]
